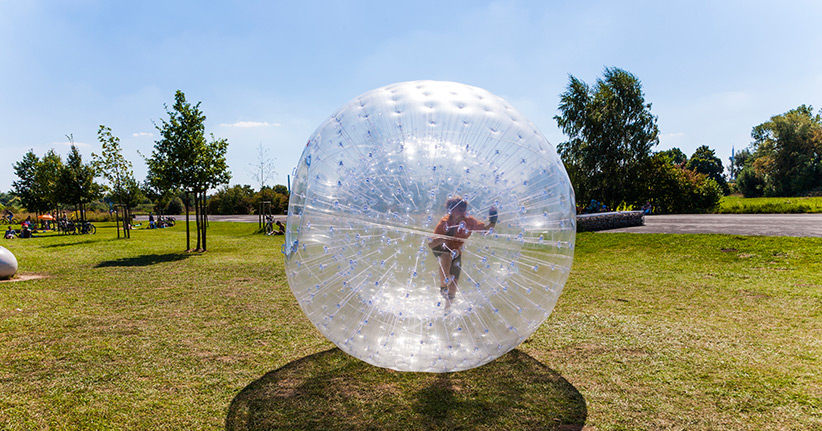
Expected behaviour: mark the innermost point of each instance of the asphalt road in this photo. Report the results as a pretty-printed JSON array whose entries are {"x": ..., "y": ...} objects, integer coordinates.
[{"x": 733, "y": 224}]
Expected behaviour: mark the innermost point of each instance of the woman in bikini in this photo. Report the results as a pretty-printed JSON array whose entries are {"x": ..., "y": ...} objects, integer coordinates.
[{"x": 451, "y": 232}]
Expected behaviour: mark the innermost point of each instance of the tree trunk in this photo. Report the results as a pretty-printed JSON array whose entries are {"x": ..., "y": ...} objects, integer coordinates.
[
  {"x": 188, "y": 238},
  {"x": 197, "y": 216},
  {"x": 205, "y": 220},
  {"x": 127, "y": 226}
]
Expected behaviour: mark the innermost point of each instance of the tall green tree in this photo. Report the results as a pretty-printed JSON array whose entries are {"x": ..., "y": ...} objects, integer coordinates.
[
  {"x": 705, "y": 161},
  {"x": 77, "y": 186},
  {"x": 183, "y": 159},
  {"x": 611, "y": 133},
  {"x": 26, "y": 187},
  {"x": 787, "y": 153},
  {"x": 47, "y": 180},
  {"x": 38, "y": 180}
]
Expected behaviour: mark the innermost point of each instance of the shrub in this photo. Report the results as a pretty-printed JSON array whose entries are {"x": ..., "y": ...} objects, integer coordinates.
[
  {"x": 675, "y": 190},
  {"x": 175, "y": 206}
]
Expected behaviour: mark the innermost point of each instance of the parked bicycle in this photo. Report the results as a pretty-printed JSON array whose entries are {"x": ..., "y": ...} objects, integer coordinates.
[
  {"x": 65, "y": 226},
  {"x": 85, "y": 227}
]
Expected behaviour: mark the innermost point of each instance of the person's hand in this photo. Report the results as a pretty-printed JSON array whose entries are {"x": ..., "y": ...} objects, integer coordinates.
[{"x": 492, "y": 215}]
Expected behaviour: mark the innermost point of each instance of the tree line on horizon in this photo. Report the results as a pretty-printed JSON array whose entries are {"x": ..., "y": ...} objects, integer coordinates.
[
  {"x": 610, "y": 159},
  {"x": 183, "y": 162},
  {"x": 784, "y": 157}
]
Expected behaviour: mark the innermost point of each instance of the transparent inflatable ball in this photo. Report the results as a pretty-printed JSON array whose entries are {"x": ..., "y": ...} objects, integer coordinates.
[{"x": 430, "y": 227}]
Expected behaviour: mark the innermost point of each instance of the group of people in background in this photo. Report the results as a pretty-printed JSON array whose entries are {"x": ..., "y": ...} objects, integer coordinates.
[
  {"x": 26, "y": 227},
  {"x": 158, "y": 223}
]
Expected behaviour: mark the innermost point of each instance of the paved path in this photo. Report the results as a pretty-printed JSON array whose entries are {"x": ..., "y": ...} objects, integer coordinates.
[{"x": 733, "y": 224}]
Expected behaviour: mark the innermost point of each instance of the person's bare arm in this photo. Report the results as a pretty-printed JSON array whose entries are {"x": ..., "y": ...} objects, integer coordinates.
[{"x": 439, "y": 237}]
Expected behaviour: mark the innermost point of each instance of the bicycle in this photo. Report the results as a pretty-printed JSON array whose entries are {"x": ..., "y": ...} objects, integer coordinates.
[
  {"x": 65, "y": 226},
  {"x": 86, "y": 227},
  {"x": 5, "y": 221}
]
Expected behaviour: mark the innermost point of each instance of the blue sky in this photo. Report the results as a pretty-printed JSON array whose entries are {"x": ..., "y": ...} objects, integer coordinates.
[{"x": 269, "y": 72}]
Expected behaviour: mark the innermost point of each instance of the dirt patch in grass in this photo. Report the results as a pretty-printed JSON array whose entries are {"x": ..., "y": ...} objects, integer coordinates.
[{"x": 24, "y": 277}]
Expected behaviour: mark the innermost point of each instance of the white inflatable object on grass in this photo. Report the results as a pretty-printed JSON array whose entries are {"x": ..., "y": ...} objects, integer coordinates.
[
  {"x": 369, "y": 190},
  {"x": 8, "y": 264}
]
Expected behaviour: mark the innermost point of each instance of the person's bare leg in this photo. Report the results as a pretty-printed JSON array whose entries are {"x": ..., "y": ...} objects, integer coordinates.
[
  {"x": 452, "y": 287},
  {"x": 445, "y": 260}
]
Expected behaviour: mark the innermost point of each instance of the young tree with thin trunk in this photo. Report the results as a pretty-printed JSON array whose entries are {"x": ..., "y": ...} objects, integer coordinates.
[
  {"x": 263, "y": 169},
  {"x": 182, "y": 158},
  {"x": 118, "y": 171}
]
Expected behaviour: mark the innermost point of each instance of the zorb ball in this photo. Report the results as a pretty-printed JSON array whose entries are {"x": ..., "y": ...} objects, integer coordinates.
[
  {"x": 8, "y": 263},
  {"x": 368, "y": 193}
]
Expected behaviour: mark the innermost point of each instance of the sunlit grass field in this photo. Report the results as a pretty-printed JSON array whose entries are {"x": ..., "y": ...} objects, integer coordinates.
[
  {"x": 740, "y": 205},
  {"x": 671, "y": 332}
]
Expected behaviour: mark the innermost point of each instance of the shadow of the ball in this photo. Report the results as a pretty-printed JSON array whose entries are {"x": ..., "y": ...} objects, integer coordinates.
[{"x": 331, "y": 390}]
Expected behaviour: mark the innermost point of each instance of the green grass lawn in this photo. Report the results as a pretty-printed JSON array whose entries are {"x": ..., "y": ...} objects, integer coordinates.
[
  {"x": 740, "y": 205},
  {"x": 676, "y": 332}
]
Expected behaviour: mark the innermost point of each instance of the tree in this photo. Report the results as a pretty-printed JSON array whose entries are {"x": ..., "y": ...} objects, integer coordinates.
[
  {"x": 705, "y": 161},
  {"x": 47, "y": 180},
  {"x": 183, "y": 159},
  {"x": 118, "y": 171},
  {"x": 233, "y": 200},
  {"x": 37, "y": 186},
  {"x": 738, "y": 162},
  {"x": 749, "y": 183},
  {"x": 213, "y": 172},
  {"x": 677, "y": 190},
  {"x": 26, "y": 187},
  {"x": 263, "y": 169},
  {"x": 676, "y": 156},
  {"x": 161, "y": 197},
  {"x": 77, "y": 184},
  {"x": 611, "y": 133},
  {"x": 787, "y": 153}
]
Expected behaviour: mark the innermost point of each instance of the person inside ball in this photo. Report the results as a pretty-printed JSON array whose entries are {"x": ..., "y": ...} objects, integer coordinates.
[{"x": 451, "y": 232}]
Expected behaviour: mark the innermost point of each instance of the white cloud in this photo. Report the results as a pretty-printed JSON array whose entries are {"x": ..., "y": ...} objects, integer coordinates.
[
  {"x": 249, "y": 124},
  {"x": 139, "y": 134}
]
